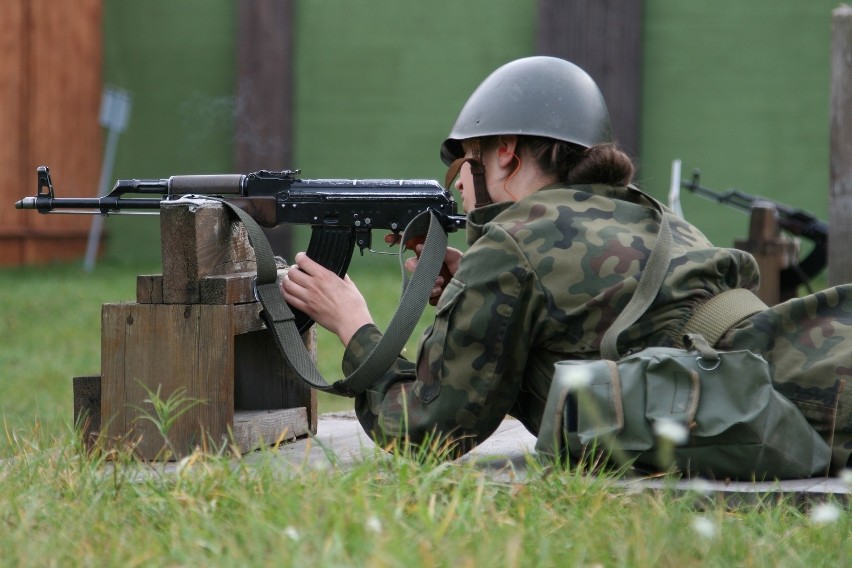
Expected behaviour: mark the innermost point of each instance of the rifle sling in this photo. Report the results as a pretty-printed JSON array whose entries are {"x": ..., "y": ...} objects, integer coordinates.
[{"x": 279, "y": 318}]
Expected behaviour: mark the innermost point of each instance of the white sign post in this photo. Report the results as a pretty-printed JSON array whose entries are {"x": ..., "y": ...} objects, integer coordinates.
[{"x": 114, "y": 115}]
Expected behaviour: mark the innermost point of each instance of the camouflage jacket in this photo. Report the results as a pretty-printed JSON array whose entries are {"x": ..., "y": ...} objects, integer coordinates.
[{"x": 542, "y": 280}]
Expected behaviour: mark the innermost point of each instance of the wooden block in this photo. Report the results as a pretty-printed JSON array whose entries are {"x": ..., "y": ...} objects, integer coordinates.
[
  {"x": 227, "y": 289},
  {"x": 149, "y": 289},
  {"x": 198, "y": 239},
  {"x": 87, "y": 408},
  {"x": 254, "y": 429},
  {"x": 247, "y": 318},
  {"x": 237, "y": 288},
  {"x": 170, "y": 349}
]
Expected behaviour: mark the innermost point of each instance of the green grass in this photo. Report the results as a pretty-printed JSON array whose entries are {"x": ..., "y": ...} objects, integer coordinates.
[{"x": 60, "y": 507}]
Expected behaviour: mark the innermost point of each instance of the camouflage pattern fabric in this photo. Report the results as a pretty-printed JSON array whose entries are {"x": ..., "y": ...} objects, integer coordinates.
[{"x": 542, "y": 281}]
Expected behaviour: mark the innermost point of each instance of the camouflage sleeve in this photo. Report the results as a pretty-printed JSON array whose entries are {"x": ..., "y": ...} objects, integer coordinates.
[{"x": 470, "y": 361}]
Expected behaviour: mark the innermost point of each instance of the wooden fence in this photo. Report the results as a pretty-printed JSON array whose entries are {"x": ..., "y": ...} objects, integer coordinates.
[{"x": 50, "y": 61}]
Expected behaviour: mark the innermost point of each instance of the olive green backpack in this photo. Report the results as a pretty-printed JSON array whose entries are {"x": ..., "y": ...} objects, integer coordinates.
[{"x": 706, "y": 412}]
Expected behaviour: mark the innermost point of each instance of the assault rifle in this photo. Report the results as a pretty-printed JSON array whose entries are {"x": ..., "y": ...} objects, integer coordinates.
[
  {"x": 795, "y": 221},
  {"x": 342, "y": 212}
]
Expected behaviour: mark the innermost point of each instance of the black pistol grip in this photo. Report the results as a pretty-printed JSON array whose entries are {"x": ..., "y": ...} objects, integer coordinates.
[{"x": 331, "y": 247}]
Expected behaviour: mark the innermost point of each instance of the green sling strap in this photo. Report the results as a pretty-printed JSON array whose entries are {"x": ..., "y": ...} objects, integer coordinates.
[{"x": 279, "y": 318}]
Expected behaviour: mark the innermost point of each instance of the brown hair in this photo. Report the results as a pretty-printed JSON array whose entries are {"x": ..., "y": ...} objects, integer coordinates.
[{"x": 573, "y": 164}]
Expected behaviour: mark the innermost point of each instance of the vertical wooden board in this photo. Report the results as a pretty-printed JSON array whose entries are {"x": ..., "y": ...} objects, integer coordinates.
[
  {"x": 188, "y": 356},
  {"x": 265, "y": 93},
  {"x": 215, "y": 376},
  {"x": 179, "y": 326},
  {"x": 63, "y": 98},
  {"x": 113, "y": 349},
  {"x": 259, "y": 372},
  {"x": 146, "y": 367},
  {"x": 13, "y": 46},
  {"x": 604, "y": 37},
  {"x": 840, "y": 210}
]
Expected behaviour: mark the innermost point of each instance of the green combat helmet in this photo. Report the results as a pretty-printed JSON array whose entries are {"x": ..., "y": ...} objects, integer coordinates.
[{"x": 534, "y": 96}]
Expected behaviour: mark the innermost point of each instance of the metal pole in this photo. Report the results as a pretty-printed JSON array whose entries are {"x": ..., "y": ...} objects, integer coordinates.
[{"x": 114, "y": 115}]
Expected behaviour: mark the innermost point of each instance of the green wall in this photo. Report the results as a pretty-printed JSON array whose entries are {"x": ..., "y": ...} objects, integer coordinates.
[
  {"x": 380, "y": 82},
  {"x": 378, "y": 85},
  {"x": 741, "y": 91},
  {"x": 177, "y": 59}
]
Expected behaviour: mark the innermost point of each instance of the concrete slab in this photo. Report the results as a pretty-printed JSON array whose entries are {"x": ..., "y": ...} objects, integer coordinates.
[{"x": 341, "y": 442}]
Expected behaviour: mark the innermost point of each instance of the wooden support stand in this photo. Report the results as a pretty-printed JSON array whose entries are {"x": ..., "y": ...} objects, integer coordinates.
[
  {"x": 194, "y": 335},
  {"x": 772, "y": 251}
]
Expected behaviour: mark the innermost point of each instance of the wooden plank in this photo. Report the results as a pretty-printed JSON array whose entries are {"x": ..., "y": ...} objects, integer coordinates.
[
  {"x": 63, "y": 95},
  {"x": 87, "y": 408},
  {"x": 50, "y": 54},
  {"x": 257, "y": 428},
  {"x": 14, "y": 43},
  {"x": 227, "y": 288},
  {"x": 604, "y": 37},
  {"x": 145, "y": 367},
  {"x": 114, "y": 322},
  {"x": 840, "y": 208},
  {"x": 247, "y": 318},
  {"x": 161, "y": 348},
  {"x": 235, "y": 288},
  {"x": 265, "y": 90},
  {"x": 213, "y": 335}
]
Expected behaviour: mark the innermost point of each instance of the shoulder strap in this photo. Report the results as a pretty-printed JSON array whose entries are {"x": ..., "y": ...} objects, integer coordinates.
[
  {"x": 650, "y": 282},
  {"x": 279, "y": 318}
]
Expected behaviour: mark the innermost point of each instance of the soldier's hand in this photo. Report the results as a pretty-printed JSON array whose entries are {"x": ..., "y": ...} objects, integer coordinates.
[
  {"x": 448, "y": 270},
  {"x": 334, "y": 303}
]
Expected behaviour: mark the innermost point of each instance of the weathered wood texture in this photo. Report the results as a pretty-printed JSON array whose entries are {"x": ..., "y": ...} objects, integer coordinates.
[
  {"x": 265, "y": 93},
  {"x": 87, "y": 408},
  {"x": 198, "y": 240},
  {"x": 167, "y": 350},
  {"x": 50, "y": 56},
  {"x": 254, "y": 429},
  {"x": 604, "y": 37},
  {"x": 772, "y": 251},
  {"x": 840, "y": 209},
  {"x": 196, "y": 331}
]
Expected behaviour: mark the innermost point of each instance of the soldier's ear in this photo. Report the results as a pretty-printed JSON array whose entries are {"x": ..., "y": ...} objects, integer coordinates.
[{"x": 506, "y": 147}]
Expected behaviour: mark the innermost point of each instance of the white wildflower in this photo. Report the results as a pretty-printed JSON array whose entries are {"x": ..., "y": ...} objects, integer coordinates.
[
  {"x": 705, "y": 527},
  {"x": 575, "y": 377},
  {"x": 846, "y": 477},
  {"x": 673, "y": 431},
  {"x": 374, "y": 525},
  {"x": 825, "y": 514},
  {"x": 292, "y": 533}
]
